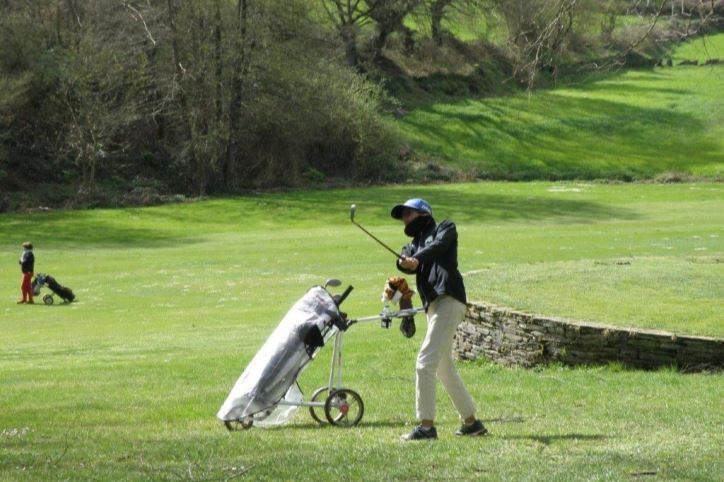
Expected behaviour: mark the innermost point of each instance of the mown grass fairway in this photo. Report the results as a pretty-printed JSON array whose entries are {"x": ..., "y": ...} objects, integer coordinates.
[
  {"x": 621, "y": 125},
  {"x": 175, "y": 300}
]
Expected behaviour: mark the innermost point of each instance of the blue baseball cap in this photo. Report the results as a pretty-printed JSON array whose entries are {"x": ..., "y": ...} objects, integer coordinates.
[{"x": 416, "y": 203}]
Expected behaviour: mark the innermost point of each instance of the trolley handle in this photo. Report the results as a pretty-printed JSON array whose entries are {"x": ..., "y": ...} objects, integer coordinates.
[{"x": 344, "y": 295}]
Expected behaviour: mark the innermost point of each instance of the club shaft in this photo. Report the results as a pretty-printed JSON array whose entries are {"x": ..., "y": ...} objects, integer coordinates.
[{"x": 376, "y": 239}]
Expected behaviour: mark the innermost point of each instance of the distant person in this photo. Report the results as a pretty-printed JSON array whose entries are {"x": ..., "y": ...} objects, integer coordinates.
[
  {"x": 27, "y": 266},
  {"x": 432, "y": 257}
]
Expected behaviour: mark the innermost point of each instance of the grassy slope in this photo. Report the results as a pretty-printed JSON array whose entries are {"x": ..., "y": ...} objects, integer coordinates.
[
  {"x": 466, "y": 26},
  {"x": 629, "y": 125},
  {"x": 701, "y": 49},
  {"x": 175, "y": 300}
]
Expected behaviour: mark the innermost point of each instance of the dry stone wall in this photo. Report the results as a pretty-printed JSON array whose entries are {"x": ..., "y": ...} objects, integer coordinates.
[{"x": 512, "y": 337}]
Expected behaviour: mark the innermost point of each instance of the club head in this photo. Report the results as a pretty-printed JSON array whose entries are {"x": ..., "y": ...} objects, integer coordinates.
[
  {"x": 333, "y": 282},
  {"x": 352, "y": 210}
]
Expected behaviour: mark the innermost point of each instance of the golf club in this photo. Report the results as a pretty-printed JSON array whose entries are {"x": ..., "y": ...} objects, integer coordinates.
[{"x": 352, "y": 211}]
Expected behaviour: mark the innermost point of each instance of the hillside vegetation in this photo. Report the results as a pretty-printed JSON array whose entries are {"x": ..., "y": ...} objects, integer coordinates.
[
  {"x": 624, "y": 125},
  {"x": 702, "y": 50},
  {"x": 108, "y": 103}
]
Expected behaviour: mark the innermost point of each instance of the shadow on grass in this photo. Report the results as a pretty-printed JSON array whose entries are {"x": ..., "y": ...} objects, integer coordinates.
[
  {"x": 549, "y": 439},
  {"x": 452, "y": 202},
  {"x": 327, "y": 426},
  {"x": 625, "y": 87},
  {"x": 79, "y": 228},
  {"x": 386, "y": 424},
  {"x": 514, "y": 419},
  {"x": 189, "y": 223},
  {"x": 556, "y": 135}
]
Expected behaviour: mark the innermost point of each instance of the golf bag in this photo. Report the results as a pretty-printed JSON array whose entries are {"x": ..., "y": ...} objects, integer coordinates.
[
  {"x": 37, "y": 283},
  {"x": 270, "y": 377},
  {"x": 45, "y": 279},
  {"x": 62, "y": 291}
]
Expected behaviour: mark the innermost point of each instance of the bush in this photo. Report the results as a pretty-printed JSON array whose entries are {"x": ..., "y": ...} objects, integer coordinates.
[
  {"x": 326, "y": 122},
  {"x": 86, "y": 106}
]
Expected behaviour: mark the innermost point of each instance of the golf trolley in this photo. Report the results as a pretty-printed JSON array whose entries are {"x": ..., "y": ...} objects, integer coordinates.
[
  {"x": 267, "y": 392},
  {"x": 40, "y": 280}
]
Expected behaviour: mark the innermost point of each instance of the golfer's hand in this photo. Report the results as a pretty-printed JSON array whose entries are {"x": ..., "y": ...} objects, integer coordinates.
[{"x": 409, "y": 263}]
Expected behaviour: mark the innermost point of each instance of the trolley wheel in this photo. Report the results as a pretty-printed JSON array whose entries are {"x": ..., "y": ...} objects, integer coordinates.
[
  {"x": 318, "y": 395},
  {"x": 238, "y": 425},
  {"x": 344, "y": 407},
  {"x": 48, "y": 299}
]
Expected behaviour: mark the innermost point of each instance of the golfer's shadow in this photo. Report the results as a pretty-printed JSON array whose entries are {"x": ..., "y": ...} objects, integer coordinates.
[
  {"x": 58, "y": 305},
  {"x": 327, "y": 426},
  {"x": 395, "y": 423},
  {"x": 543, "y": 439},
  {"x": 512, "y": 419}
]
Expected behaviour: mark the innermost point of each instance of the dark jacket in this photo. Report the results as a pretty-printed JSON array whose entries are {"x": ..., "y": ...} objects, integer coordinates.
[
  {"x": 436, "y": 247},
  {"x": 27, "y": 262}
]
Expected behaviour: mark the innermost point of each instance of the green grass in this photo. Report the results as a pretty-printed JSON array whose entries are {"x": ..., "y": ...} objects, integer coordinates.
[
  {"x": 631, "y": 125},
  {"x": 701, "y": 49},
  {"x": 465, "y": 25},
  {"x": 175, "y": 300},
  {"x": 513, "y": 236},
  {"x": 617, "y": 291}
]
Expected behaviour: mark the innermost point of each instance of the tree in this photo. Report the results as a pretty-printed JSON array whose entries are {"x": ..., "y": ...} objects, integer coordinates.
[
  {"x": 198, "y": 97},
  {"x": 437, "y": 13},
  {"x": 439, "y": 10},
  {"x": 389, "y": 16},
  {"x": 348, "y": 16},
  {"x": 241, "y": 61},
  {"x": 537, "y": 31}
]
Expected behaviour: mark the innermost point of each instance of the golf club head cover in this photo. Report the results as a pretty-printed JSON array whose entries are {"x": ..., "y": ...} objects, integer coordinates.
[
  {"x": 397, "y": 290},
  {"x": 407, "y": 325}
]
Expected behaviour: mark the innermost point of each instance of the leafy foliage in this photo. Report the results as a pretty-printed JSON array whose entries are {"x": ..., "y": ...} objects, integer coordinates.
[
  {"x": 206, "y": 96},
  {"x": 217, "y": 96}
]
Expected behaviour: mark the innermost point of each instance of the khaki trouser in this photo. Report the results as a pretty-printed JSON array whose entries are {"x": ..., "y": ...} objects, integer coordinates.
[{"x": 435, "y": 358}]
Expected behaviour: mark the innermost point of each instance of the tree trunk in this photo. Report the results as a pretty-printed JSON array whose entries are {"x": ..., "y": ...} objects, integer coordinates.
[
  {"x": 58, "y": 23},
  {"x": 219, "y": 62},
  {"x": 183, "y": 101},
  {"x": 237, "y": 86},
  {"x": 379, "y": 42},
  {"x": 389, "y": 16},
  {"x": 409, "y": 39},
  {"x": 219, "y": 95},
  {"x": 349, "y": 36},
  {"x": 200, "y": 121},
  {"x": 436, "y": 14},
  {"x": 92, "y": 174}
]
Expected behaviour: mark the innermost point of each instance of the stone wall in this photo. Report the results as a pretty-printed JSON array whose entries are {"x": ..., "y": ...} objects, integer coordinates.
[{"x": 515, "y": 338}]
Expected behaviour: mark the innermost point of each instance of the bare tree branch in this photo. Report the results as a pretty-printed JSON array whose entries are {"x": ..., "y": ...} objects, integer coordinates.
[{"x": 135, "y": 14}]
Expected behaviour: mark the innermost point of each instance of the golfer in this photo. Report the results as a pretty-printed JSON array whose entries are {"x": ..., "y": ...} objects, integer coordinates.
[
  {"x": 27, "y": 265},
  {"x": 432, "y": 257}
]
